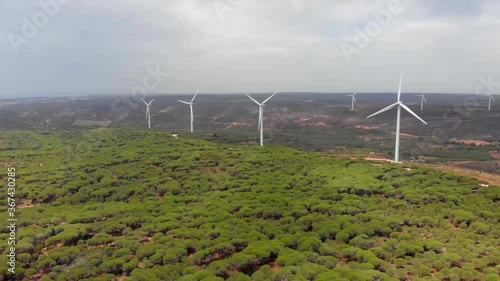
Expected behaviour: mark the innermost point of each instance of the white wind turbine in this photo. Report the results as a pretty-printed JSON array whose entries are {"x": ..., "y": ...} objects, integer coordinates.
[
  {"x": 400, "y": 105},
  {"x": 422, "y": 101},
  {"x": 191, "y": 107},
  {"x": 490, "y": 99},
  {"x": 260, "y": 125},
  {"x": 353, "y": 100},
  {"x": 148, "y": 111}
]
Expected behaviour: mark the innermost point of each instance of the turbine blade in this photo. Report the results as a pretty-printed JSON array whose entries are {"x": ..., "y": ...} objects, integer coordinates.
[
  {"x": 195, "y": 96},
  {"x": 491, "y": 97},
  {"x": 184, "y": 102},
  {"x": 423, "y": 97},
  {"x": 354, "y": 99},
  {"x": 400, "y": 82},
  {"x": 144, "y": 101},
  {"x": 354, "y": 94},
  {"x": 253, "y": 99},
  {"x": 269, "y": 98},
  {"x": 151, "y": 101},
  {"x": 412, "y": 113},
  {"x": 383, "y": 110}
]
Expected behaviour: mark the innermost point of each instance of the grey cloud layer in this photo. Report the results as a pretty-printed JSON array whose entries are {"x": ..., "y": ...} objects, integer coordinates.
[{"x": 260, "y": 46}]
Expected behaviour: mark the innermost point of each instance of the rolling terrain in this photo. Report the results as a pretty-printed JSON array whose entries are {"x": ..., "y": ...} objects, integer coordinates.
[
  {"x": 135, "y": 204},
  {"x": 461, "y": 135},
  {"x": 460, "y": 129}
]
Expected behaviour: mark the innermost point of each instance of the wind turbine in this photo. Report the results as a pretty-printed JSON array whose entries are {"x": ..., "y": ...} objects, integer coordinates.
[
  {"x": 148, "y": 111},
  {"x": 422, "y": 101},
  {"x": 260, "y": 125},
  {"x": 399, "y": 104},
  {"x": 353, "y": 100},
  {"x": 191, "y": 107},
  {"x": 490, "y": 99}
]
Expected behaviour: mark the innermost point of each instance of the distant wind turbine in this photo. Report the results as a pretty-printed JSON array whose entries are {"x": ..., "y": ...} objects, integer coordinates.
[
  {"x": 353, "y": 104},
  {"x": 148, "y": 111},
  {"x": 399, "y": 105},
  {"x": 191, "y": 107},
  {"x": 490, "y": 99},
  {"x": 422, "y": 101},
  {"x": 260, "y": 125}
]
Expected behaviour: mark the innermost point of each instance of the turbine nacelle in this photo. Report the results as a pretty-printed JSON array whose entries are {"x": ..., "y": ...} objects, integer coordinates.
[
  {"x": 147, "y": 104},
  {"x": 423, "y": 97}
]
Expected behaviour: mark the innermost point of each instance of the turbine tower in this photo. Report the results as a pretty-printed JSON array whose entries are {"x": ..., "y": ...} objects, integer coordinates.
[
  {"x": 399, "y": 104},
  {"x": 260, "y": 125},
  {"x": 148, "y": 111},
  {"x": 422, "y": 101},
  {"x": 353, "y": 104},
  {"x": 490, "y": 99},
  {"x": 191, "y": 107}
]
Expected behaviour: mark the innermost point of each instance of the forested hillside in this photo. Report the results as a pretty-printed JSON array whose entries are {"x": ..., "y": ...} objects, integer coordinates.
[{"x": 125, "y": 204}]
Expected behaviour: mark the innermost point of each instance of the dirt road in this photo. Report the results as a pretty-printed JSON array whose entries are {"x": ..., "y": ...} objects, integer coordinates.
[{"x": 489, "y": 178}]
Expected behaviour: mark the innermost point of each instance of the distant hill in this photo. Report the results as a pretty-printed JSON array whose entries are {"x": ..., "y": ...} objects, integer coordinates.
[{"x": 308, "y": 121}]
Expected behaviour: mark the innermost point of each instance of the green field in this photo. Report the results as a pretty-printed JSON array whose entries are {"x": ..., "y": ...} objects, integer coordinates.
[{"x": 125, "y": 204}]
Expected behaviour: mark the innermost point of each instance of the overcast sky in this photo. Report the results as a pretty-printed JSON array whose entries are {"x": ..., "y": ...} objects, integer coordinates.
[{"x": 227, "y": 46}]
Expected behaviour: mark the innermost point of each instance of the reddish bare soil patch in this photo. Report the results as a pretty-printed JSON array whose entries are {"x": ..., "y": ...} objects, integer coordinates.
[
  {"x": 237, "y": 124},
  {"x": 403, "y": 135},
  {"x": 495, "y": 154},
  {"x": 319, "y": 124},
  {"x": 317, "y": 120},
  {"x": 379, "y": 159},
  {"x": 274, "y": 266},
  {"x": 27, "y": 204},
  {"x": 454, "y": 227},
  {"x": 476, "y": 142},
  {"x": 40, "y": 275},
  {"x": 371, "y": 137},
  {"x": 145, "y": 239},
  {"x": 112, "y": 244},
  {"x": 367, "y": 127},
  {"x": 272, "y": 263}
]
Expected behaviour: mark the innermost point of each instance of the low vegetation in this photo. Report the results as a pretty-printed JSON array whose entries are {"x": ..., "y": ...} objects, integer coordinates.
[{"x": 141, "y": 205}]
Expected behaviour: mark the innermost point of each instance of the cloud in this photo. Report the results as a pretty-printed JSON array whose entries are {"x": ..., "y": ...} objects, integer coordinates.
[{"x": 259, "y": 46}]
